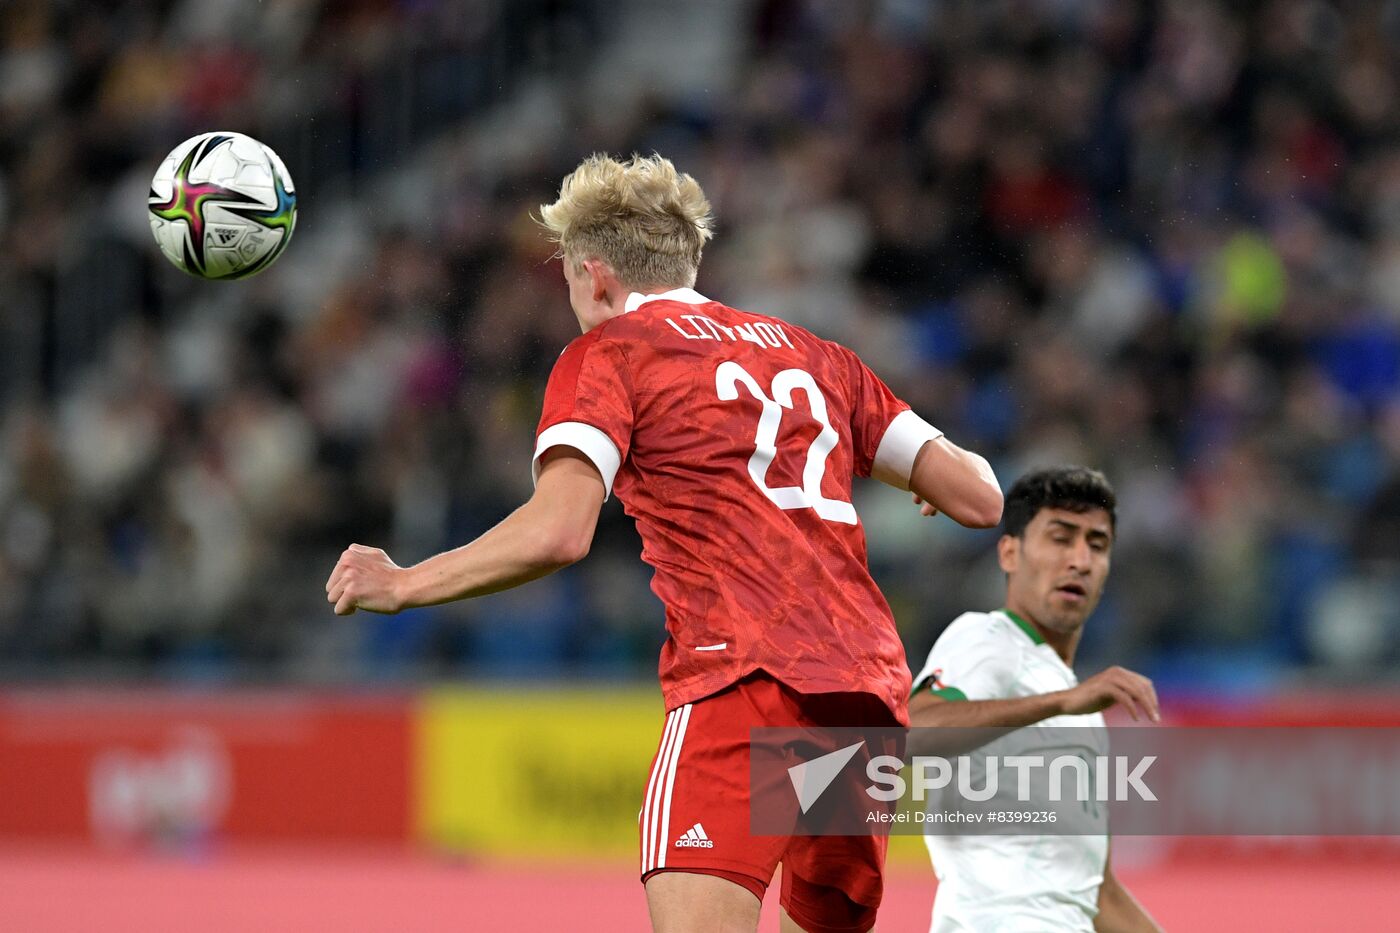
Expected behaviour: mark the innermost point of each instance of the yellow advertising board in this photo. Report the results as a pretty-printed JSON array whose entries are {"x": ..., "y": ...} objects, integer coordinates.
[{"x": 556, "y": 774}]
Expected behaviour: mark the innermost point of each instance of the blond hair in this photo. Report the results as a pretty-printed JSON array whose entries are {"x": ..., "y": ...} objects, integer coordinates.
[{"x": 642, "y": 217}]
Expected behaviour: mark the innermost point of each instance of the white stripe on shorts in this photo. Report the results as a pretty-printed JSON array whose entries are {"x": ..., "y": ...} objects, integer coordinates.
[
  {"x": 648, "y": 805},
  {"x": 670, "y": 782}
]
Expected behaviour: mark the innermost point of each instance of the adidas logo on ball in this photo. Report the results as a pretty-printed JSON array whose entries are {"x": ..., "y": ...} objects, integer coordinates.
[{"x": 695, "y": 838}]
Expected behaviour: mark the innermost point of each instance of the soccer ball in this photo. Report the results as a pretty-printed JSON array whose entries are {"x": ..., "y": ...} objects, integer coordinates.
[{"x": 222, "y": 206}]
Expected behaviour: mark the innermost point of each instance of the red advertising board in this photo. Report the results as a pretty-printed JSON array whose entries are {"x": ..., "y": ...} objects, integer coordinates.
[
  {"x": 122, "y": 767},
  {"x": 1314, "y": 708},
  {"x": 1317, "y": 708}
]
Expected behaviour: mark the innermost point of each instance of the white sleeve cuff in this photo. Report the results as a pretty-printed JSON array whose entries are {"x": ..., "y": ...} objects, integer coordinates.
[
  {"x": 894, "y": 460},
  {"x": 593, "y": 443}
]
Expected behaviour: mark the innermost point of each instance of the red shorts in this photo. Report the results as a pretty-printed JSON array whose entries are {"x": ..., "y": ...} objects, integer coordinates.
[{"x": 695, "y": 816}]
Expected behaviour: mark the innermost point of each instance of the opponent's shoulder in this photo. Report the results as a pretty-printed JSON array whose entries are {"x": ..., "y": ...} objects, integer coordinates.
[
  {"x": 981, "y": 628},
  {"x": 973, "y": 638}
]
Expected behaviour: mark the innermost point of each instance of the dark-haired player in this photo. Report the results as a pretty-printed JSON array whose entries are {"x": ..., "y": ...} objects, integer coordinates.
[{"x": 1011, "y": 668}]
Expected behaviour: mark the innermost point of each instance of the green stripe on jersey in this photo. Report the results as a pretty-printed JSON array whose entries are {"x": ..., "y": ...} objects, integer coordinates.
[{"x": 1026, "y": 627}]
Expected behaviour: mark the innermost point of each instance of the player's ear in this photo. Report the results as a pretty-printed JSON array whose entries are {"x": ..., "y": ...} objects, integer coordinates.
[
  {"x": 1009, "y": 553},
  {"x": 599, "y": 274}
]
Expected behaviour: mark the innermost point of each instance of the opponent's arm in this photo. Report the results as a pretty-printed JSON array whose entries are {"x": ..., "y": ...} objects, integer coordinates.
[
  {"x": 928, "y": 711},
  {"x": 1119, "y": 911},
  {"x": 1116, "y": 685},
  {"x": 970, "y": 724},
  {"x": 956, "y": 482},
  {"x": 550, "y": 531},
  {"x": 945, "y": 727}
]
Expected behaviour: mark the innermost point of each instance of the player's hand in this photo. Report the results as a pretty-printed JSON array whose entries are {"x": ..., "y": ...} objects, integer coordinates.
[
  {"x": 924, "y": 507},
  {"x": 364, "y": 578},
  {"x": 1119, "y": 686}
]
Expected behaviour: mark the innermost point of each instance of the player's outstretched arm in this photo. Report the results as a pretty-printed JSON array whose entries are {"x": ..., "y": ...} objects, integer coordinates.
[
  {"x": 1119, "y": 911},
  {"x": 927, "y": 711},
  {"x": 956, "y": 482},
  {"x": 980, "y": 721},
  {"x": 550, "y": 531},
  {"x": 1114, "y": 686},
  {"x": 948, "y": 727}
]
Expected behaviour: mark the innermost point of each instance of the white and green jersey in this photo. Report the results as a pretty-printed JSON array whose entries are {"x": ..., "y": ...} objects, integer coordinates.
[{"x": 1011, "y": 883}]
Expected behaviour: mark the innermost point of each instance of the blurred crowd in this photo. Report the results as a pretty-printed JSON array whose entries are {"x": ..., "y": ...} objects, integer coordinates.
[{"x": 1162, "y": 240}]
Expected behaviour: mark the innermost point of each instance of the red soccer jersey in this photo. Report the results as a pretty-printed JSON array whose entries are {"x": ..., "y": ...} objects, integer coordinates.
[{"x": 732, "y": 439}]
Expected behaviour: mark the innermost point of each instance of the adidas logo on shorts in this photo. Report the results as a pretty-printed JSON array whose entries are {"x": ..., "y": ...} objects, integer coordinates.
[{"x": 695, "y": 838}]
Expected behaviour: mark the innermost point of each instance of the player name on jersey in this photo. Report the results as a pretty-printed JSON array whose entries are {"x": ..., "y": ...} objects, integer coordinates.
[
  {"x": 700, "y": 327},
  {"x": 682, "y": 400}
]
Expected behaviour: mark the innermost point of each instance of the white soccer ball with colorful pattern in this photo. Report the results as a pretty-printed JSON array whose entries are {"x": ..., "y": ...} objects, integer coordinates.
[{"x": 222, "y": 206}]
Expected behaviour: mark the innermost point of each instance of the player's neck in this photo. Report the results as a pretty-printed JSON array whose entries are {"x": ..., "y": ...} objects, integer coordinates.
[
  {"x": 599, "y": 316},
  {"x": 1065, "y": 644},
  {"x": 613, "y": 303}
]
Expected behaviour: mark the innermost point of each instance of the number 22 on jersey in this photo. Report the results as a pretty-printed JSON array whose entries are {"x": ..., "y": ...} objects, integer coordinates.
[{"x": 728, "y": 377}]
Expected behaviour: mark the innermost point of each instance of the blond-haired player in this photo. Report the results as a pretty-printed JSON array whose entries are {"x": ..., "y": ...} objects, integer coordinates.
[{"x": 732, "y": 439}]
